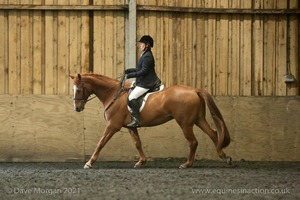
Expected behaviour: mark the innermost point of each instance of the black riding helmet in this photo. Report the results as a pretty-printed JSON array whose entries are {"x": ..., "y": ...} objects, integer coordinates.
[{"x": 147, "y": 39}]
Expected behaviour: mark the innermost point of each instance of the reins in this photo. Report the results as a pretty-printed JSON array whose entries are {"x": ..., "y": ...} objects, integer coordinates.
[{"x": 120, "y": 91}]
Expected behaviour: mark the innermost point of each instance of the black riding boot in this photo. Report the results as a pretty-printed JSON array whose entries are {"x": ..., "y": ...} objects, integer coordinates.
[{"x": 133, "y": 104}]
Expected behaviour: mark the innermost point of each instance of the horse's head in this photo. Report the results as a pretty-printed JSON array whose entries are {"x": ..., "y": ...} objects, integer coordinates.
[{"x": 81, "y": 92}]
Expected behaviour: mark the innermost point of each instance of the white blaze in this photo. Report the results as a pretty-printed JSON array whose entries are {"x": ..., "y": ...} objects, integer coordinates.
[{"x": 74, "y": 90}]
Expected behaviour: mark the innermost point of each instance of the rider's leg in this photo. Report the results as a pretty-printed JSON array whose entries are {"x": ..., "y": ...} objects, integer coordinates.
[{"x": 133, "y": 104}]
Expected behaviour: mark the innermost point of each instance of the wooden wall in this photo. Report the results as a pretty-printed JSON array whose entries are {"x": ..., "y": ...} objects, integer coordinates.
[
  {"x": 239, "y": 50},
  {"x": 44, "y": 128},
  {"x": 230, "y": 47},
  {"x": 227, "y": 53}
]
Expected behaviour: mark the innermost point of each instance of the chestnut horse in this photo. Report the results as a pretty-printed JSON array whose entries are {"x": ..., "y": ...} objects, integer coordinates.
[{"x": 184, "y": 104}]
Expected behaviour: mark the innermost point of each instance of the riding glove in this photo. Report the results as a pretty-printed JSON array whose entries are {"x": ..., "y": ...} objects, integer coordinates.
[
  {"x": 131, "y": 75},
  {"x": 130, "y": 70}
]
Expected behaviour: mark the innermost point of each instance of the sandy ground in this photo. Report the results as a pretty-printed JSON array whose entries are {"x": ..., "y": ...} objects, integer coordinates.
[{"x": 157, "y": 180}]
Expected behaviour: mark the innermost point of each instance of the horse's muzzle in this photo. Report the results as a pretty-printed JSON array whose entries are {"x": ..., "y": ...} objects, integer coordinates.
[{"x": 79, "y": 109}]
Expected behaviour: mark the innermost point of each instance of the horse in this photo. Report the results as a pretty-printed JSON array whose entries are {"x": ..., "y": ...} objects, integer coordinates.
[{"x": 185, "y": 104}]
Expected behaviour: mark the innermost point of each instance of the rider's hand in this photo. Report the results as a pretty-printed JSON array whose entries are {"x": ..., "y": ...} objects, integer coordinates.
[
  {"x": 130, "y": 70},
  {"x": 130, "y": 75}
]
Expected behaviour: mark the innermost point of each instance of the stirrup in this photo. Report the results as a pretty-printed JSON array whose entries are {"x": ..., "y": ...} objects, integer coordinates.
[{"x": 134, "y": 123}]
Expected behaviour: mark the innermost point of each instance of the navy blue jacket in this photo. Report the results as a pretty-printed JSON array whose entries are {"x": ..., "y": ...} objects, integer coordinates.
[{"x": 144, "y": 72}]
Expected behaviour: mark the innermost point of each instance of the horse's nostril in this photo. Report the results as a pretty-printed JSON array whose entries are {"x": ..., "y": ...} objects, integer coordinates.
[{"x": 78, "y": 109}]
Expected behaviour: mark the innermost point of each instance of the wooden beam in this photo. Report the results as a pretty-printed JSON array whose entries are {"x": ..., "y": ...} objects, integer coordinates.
[
  {"x": 131, "y": 35},
  {"x": 218, "y": 10},
  {"x": 154, "y": 8},
  {"x": 64, "y": 7}
]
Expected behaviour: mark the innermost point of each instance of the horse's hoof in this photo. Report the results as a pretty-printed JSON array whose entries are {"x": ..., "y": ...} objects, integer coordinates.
[
  {"x": 182, "y": 167},
  {"x": 229, "y": 160},
  {"x": 138, "y": 165},
  {"x": 87, "y": 166}
]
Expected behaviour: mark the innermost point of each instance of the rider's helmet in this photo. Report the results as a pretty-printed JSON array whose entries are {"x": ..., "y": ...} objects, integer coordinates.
[{"x": 147, "y": 39}]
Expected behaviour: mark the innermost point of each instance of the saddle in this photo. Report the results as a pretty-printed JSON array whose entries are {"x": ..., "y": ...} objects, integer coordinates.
[{"x": 142, "y": 99}]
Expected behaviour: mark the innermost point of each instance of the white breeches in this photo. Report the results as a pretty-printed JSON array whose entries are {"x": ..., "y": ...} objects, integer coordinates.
[{"x": 137, "y": 92}]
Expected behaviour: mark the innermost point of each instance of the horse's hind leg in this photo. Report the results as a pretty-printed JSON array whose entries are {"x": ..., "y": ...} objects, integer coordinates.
[
  {"x": 138, "y": 144},
  {"x": 212, "y": 133},
  {"x": 193, "y": 143}
]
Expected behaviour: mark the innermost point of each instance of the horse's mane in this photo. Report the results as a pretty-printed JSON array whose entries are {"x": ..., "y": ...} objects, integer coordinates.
[{"x": 97, "y": 76}]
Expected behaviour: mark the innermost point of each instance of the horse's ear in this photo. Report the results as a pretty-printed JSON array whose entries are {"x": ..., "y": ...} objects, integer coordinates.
[
  {"x": 79, "y": 76},
  {"x": 72, "y": 77}
]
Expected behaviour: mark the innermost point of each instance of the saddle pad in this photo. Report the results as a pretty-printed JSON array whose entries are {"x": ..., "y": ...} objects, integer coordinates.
[{"x": 161, "y": 87}]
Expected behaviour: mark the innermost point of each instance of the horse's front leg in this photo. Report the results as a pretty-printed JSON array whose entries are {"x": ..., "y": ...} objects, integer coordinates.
[
  {"x": 108, "y": 133},
  {"x": 138, "y": 144}
]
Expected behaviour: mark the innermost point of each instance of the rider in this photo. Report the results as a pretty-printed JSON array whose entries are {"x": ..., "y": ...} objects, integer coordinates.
[{"x": 145, "y": 75}]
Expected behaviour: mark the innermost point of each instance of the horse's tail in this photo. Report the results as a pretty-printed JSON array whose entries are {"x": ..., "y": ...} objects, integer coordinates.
[{"x": 223, "y": 134}]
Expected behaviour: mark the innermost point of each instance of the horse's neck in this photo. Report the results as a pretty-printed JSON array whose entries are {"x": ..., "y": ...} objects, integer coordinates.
[{"x": 103, "y": 87}]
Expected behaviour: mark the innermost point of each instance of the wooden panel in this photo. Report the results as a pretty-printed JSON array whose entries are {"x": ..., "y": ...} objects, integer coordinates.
[
  {"x": 245, "y": 50},
  {"x": 30, "y": 135}
]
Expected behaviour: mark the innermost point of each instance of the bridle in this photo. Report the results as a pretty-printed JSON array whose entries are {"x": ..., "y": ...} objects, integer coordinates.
[{"x": 84, "y": 99}]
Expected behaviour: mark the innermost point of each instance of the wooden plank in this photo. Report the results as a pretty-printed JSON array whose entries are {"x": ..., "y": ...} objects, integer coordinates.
[
  {"x": 49, "y": 50},
  {"x": 65, "y": 47},
  {"x": 222, "y": 51},
  {"x": 257, "y": 65},
  {"x": 167, "y": 67},
  {"x": 14, "y": 52},
  {"x": 86, "y": 38},
  {"x": 158, "y": 48},
  {"x": 119, "y": 44},
  {"x": 269, "y": 85},
  {"x": 293, "y": 35},
  {"x": 187, "y": 54},
  {"x": 38, "y": 27},
  {"x": 171, "y": 50},
  {"x": 214, "y": 10},
  {"x": 85, "y": 50},
  {"x": 3, "y": 57},
  {"x": 97, "y": 41},
  {"x": 235, "y": 52},
  {"x": 102, "y": 7},
  {"x": 211, "y": 50},
  {"x": 176, "y": 77},
  {"x": 246, "y": 51},
  {"x": 26, "y": 53},
  {"x": 281, "y": 54},
  {"x": 52, "y": 7},
  {"x": 74, "y": 47},
  {"x": 109, "y": 34}
]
